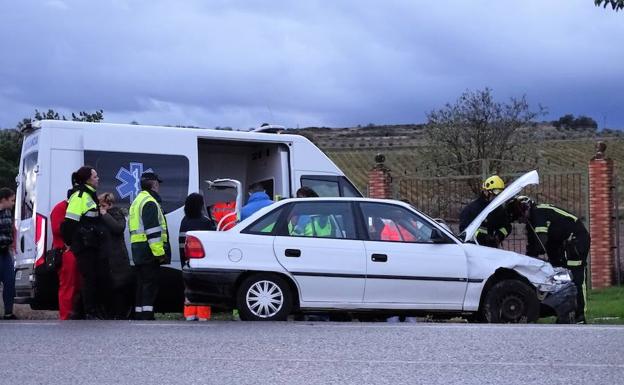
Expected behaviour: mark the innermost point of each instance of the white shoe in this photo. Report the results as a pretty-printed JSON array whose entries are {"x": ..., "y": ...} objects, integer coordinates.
[{"x": 393, "y": 319}]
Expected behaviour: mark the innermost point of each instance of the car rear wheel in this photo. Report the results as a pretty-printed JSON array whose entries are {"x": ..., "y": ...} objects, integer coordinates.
[
  {"x": 511, "y": 301},
  {"x": 264, "y": 297}
]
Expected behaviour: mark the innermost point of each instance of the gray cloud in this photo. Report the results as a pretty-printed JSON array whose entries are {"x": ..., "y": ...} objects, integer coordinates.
[{"x": 239, "y": 63}]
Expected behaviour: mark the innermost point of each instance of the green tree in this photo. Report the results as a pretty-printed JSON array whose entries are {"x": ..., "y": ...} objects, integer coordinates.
[
  {"x": 10, "y": 150},
  {"x": 477, "y": 129},
  {"x": 11, "y": 141},
  {"x": 615, "y": 4}
]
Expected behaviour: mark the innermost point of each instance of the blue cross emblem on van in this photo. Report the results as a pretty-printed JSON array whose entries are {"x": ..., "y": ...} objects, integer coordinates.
[{"x": 130, "y": 179}]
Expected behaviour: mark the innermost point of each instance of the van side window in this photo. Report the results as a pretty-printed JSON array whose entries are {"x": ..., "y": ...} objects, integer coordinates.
[
  {"x": 120, "y": 172},
  {"x": 325, "y": 187},
  {"x": 330, "y": 186},
  {"x": 29, "y": 180}
]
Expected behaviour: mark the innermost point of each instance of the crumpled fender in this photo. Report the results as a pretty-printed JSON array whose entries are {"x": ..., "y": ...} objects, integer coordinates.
[{"x": 483, "y": 262}]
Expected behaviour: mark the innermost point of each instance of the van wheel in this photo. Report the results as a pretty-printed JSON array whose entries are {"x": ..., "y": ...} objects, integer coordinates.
[
  {"x": 511, "y": 301},
  {"x": 264, "y": 297}
]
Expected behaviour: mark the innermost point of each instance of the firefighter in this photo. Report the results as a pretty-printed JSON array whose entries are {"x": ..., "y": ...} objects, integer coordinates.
[
  {"x": 81, "y": 232},
  {"x": 149, "y": 240},
  {"x": 558, "y": 234},
  {"x": 496, "y": 227}
]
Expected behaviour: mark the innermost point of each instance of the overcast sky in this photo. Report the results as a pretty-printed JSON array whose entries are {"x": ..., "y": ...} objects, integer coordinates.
[{"x": 305, "y": 63}]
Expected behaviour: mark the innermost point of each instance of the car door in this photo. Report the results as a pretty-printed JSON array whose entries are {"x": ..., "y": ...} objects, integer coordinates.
[
  {"x": 318, "y": 245},
  {"x": 410, "y": 261}
]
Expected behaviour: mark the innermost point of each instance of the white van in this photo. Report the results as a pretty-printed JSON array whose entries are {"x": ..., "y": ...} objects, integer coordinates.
[{"x": 183, "y": 157}]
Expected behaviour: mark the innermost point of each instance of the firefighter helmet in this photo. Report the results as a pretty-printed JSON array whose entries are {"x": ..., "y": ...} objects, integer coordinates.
[{"x": 493, "y": 183}]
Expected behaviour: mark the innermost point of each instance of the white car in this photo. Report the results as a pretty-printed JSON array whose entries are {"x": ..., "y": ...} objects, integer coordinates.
[{"x": 369, "y": 255}]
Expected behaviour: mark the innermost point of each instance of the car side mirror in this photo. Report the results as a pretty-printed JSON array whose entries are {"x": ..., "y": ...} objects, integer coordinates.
[{"x": 438, "y": 237}]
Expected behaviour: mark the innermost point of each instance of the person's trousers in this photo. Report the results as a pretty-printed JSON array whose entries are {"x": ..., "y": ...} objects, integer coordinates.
[
  {"x": 578, "y": 277},
  {"x": 69, "y": 285},
  {"x": 7, "y": 276},
  {"x": 146, "y": 290},
  {"x": 87, "y": 265}
]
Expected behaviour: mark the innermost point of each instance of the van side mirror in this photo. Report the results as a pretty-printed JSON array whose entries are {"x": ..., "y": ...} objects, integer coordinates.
[{"x": 438, "y": 237}]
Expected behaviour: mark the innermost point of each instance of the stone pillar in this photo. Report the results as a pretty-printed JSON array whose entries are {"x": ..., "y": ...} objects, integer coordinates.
[
  {"x": 601, "y": 225},
  {"x": 380, "y": 179}
]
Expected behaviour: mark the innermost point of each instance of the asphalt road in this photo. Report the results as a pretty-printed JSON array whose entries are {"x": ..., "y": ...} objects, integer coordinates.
[{"x": 122, "y": 352}]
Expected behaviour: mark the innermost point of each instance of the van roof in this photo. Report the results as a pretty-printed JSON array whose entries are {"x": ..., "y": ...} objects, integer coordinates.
[{"x": 199, "y": 132}]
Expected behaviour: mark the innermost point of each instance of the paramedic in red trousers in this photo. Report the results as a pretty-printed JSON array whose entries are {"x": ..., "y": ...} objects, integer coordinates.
[
  {"x": 258, "y": 199},
  {"x": 81, "y": 231},
  {"x": 68, "y": 274},
  {"x": 150, "y": 243},
  {"x": 194, "y": 219},
  {"x": 7, "y": 269}
]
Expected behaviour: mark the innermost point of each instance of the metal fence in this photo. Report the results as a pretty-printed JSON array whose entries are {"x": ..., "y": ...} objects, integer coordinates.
[{"x": 445, "y": 197}]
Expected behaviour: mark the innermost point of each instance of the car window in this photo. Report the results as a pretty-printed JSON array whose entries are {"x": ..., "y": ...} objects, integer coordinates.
[
  {"x": 391, "y": 223},
  {"x": 321, "y": 219},
  {"x": 266, "y": 224}
]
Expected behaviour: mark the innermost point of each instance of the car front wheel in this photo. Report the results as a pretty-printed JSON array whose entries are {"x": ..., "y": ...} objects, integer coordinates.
[
  {"x": 264, "y": 297},
  {"x": 511, "y": 301}
]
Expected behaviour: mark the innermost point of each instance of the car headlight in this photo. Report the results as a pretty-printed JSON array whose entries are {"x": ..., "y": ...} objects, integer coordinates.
[{"x": 561, "y": 277}]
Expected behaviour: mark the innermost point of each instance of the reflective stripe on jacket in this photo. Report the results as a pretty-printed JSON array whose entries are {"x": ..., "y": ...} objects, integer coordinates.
[{"x": 148, "y": 230}]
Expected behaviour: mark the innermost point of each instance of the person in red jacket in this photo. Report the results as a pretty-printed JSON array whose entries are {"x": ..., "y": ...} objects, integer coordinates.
[{"x": 69, "y": 277}]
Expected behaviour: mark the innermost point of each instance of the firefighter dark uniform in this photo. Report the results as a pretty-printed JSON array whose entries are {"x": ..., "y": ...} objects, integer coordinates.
[
  {"x": 150, "y": 248},
  {"x": 81, "y": 232},
  {"x": 494, "y": 229},
  {"x": 565, "y": 240}
]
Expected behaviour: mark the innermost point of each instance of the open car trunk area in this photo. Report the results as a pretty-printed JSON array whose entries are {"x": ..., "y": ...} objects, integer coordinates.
[{"x": 247, "y": 162}]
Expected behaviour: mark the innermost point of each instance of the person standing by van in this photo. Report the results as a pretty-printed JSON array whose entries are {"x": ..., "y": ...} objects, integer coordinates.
[
  {"x": 81, "y": 231},
  {"x": 7, "y": 270},
  {"x": 258, "y": 199},
  {"x": 68, "y": 274},
  {"x": 115, "y": 255},
  {"x": 194, "y": 219},
  {"x": 150, "y": 243}
]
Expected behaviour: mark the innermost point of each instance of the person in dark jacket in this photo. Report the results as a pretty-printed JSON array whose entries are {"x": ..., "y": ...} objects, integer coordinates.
[
  {"x": 258, "y": 199},
  {"x": 113, "y": 250},
  {"x": 7, "y": 270},
  {"x": 149, "y": 240},
  {"x": 558, "y": 234},
  {"x": 496, "y": 227},
  {"x": 81, "y": 231},
  {"x": 194, "y": 219}
]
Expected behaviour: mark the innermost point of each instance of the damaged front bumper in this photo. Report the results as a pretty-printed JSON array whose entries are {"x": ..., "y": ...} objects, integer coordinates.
[{"x": 562, "y": 300}]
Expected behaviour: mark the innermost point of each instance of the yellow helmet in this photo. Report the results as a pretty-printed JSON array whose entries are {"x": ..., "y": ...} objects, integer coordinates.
[{"x": 493, "y": 183}]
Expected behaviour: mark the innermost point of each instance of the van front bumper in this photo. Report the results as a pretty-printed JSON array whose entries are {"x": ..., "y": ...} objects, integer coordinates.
[{"x": 215, "y": 287}]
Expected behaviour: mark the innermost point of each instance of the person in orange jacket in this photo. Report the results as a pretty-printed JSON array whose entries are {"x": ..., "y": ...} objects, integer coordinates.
[{"x": 194, "y": 219}]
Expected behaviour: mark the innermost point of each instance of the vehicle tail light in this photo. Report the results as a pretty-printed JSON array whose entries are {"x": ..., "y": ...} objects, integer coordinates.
[
  {"x": 40, "y": 239},
  {"x": 193, "y": 248}
]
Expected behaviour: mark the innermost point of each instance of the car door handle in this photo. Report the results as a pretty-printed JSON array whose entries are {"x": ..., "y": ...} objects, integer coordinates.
[
  {"x": 295, "y": 253},
  {"x": 22, "y": 244},
  {"x": 379, "y": 258}
]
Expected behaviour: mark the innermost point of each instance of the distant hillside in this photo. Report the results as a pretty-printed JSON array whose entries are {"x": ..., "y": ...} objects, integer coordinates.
[{"x": 354, "y": 149}]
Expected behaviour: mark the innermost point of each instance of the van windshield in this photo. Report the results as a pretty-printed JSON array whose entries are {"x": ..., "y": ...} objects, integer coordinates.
[{"x": 29, "y": 181}]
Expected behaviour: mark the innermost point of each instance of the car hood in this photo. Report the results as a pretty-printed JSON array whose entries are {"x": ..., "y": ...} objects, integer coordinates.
[
  {"x": 481, "y": 259},
  {"x": 509, "y": 192}
]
